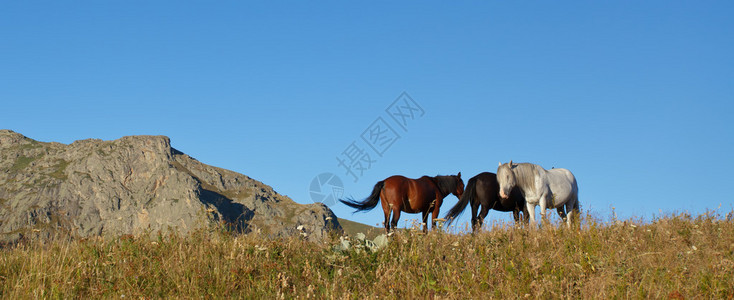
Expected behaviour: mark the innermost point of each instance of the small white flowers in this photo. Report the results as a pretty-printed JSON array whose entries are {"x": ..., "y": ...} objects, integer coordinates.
[{"x": 302, "y": 230}]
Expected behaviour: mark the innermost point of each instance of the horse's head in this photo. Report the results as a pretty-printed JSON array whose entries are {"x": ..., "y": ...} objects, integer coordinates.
[
  {"x": 459, "y": 186},
  {"x": 506, "y": 179},
  {"x": 450, "y": 184}
]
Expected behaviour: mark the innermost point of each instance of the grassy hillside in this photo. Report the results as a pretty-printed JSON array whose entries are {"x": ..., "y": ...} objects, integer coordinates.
[
  {"x": 678, "y": 256},
  {"x": 351, "y": 228}
]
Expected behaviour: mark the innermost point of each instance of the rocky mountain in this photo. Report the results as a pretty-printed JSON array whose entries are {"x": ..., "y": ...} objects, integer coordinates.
[{"x": 135, "y": 184}]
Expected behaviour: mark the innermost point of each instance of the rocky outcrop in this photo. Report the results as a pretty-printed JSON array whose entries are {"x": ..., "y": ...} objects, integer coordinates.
[{"x": 132, "y": 185}]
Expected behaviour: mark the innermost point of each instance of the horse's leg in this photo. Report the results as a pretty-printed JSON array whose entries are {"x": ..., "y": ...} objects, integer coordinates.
[
  {"x": 482, "y": 214},
  {"x": 425, "y": 218},
  {"x": 386, "y": 208},
  {"x": 525, "y": 214},
  {"x": 387, "y": 220},
  {"x": 474, "y": 208},
  {"x": 395, "y": 218},
  {"x": 531, "y": 214},
  {"x": 436, "y": 210},
  {"x": 543, "y": 207},
  {"x": 572, "y": 209},
  {"x": 562, "y": 213}
]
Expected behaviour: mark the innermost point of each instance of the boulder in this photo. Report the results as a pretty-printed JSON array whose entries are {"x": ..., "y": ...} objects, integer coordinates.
[{"x": 132, "y": 185}]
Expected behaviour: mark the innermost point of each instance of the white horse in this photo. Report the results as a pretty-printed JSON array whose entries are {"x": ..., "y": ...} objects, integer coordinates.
[{"x": 553, "y": 188}]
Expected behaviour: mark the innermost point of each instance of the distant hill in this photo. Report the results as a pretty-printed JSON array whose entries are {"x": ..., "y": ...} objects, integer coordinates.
[
  {"x": 135, "y": 184},
  {"x": 352, "y": 228}
]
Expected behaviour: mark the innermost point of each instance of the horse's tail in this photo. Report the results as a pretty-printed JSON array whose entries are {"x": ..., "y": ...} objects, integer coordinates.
[
  {"x": 574, "y": 191},
  {"x": 467, "y": 197},
  {"x": 368, "y": 203}
]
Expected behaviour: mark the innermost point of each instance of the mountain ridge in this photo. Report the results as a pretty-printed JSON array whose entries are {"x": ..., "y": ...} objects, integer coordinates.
[{"x": 134, "y": 184}]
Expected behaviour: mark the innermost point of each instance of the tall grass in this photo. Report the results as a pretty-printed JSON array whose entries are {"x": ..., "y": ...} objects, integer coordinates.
[{"x": 675, "y": 256}]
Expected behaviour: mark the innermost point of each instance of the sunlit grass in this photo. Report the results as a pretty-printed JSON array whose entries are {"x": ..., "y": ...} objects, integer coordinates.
[{"x": 672, "y": 256}]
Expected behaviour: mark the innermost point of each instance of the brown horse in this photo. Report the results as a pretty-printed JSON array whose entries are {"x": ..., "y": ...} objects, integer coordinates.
[
  {"x": 483, "y": 190},
  {"x": 421, "y": 195}
]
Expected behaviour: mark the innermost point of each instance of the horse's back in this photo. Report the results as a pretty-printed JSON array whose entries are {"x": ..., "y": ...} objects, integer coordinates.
[
  {"x": 563, "y": 173},
  {"x": 425, "y": 184},
  {"x": 486, "y": 188},
  {"x": 563, "y": 181},
  {"x": 394, "y": 186},
  {"x": 487, "y": 179},
  {"x": 396, "y": 179}
]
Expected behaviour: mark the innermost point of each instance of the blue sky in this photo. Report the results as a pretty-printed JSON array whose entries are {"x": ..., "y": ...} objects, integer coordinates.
[{"x": 634, "y": 98}]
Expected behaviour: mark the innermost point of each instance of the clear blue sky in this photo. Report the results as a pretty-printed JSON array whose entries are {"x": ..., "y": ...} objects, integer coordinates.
[{"x": 635, "y": 98}]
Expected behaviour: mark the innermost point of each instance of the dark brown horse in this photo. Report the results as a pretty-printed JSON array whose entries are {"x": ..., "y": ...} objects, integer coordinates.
[
  {"x": 421, "y": 195},
  {"x": 483, "y": 190}
]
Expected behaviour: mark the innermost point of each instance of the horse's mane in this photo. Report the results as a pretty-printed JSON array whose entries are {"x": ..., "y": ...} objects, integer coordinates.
[
  {"x": 525, "y": 174},
  {"x": 446, "y": 184}
]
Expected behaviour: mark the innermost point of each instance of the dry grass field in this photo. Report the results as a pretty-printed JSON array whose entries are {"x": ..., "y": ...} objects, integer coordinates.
[{"x": 677, "y": 257}]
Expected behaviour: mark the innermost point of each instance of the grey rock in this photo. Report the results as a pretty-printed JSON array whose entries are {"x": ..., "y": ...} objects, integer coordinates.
[
  {"x": 133, "y": 185},
  {"x": 361, "y": 242},
  {"x": 380, "y": 241}
]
